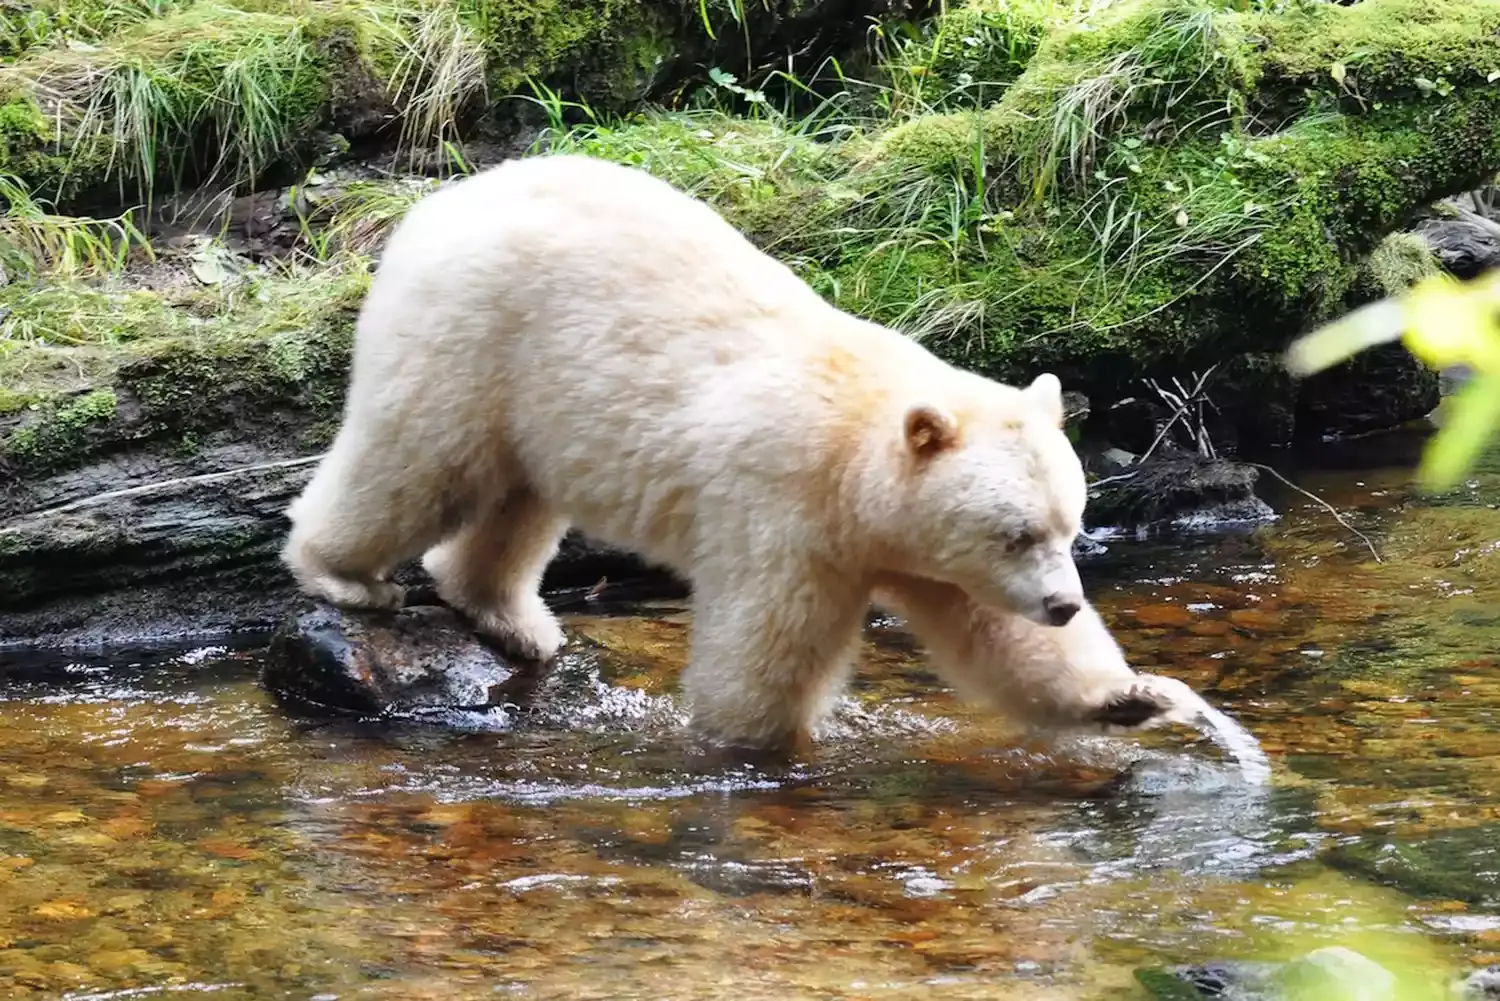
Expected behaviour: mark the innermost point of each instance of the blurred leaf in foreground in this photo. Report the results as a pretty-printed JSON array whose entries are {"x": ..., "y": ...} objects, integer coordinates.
[{"x": 1443, "y": 323}]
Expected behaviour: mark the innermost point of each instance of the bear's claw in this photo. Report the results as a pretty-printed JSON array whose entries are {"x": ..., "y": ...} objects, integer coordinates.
[{"x": 1132, "y": 708}]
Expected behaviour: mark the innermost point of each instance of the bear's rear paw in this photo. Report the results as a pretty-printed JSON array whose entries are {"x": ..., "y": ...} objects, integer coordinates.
[
  {"x": 341, "y": 592},
  {"x": 526, "y": 631}
]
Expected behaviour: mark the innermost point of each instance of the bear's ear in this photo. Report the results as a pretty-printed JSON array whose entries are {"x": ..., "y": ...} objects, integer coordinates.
[
  {"x": 929, "y": 430},
  {"x": 1046, "y": 392}
]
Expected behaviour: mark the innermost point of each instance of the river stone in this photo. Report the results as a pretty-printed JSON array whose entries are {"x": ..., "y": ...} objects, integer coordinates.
[
  {"x": 1336, "y": 974},
  {"x": 1463, "y": 247},
  {"x": 1481, "y": 985},
  {"x": 1223, "y": 981},
  {"x": 365, "y": 663},
  {"x": 1184, "y": 490},
  {"x": 1329, "y": 974}
]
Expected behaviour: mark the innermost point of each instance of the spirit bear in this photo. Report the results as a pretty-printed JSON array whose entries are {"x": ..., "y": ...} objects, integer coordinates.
[{"x": 560, "y": 341}]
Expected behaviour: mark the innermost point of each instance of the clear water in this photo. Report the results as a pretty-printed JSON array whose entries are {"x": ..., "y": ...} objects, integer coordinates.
[{"x": 164, "y": 827}]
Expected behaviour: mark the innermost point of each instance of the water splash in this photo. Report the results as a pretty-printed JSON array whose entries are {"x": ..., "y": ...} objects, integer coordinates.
[
  {"x": 1237, "y": 742},
  {"x": 1190, "y": 709}
]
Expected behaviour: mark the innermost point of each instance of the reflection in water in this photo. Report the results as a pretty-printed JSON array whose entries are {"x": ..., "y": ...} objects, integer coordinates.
[{"x": 164, "y": 828}]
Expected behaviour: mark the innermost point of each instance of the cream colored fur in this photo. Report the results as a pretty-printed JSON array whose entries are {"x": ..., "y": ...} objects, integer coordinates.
[
  {"x": 560, "y": 341},
  {"x": 1054, "y": 679}
]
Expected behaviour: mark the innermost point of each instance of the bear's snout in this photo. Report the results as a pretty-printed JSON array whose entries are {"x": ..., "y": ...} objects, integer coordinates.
[{"x": 1060, "y": 608}]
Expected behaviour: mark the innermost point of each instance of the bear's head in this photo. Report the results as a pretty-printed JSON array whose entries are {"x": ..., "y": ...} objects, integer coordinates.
[{"x": 994, "y": 497}]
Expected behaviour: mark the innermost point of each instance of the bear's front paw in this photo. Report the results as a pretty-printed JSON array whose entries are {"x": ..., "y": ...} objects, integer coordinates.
[
  {"x": 1151, "y": 700},
  {"x": 1134, "y": 707}
]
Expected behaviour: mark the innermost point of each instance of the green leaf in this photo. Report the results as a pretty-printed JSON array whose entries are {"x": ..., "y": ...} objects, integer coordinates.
[
  {"x": 1469, "y": 422},
  {"x": 1378, "y": 323}
]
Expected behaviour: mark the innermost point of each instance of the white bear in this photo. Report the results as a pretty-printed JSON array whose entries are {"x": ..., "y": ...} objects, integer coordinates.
[
  {"x": 563, "y": 341},
  {"x": 1053, "y": 679}
]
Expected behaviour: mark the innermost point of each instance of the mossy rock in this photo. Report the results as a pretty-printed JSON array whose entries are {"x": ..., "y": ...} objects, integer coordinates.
[
  {"x": 237, "y": 90},
  {"x": 1168, "y": 183},
  {"x": 273, "y": 364}
]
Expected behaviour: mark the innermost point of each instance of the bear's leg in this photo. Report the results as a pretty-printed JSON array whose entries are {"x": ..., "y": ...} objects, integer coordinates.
[
  {"x": 356, "y": 520},
  {"x": 1044, "y": 676},
  {"x": 491, "y": 570},
  {"x": 768, "y": 654}
]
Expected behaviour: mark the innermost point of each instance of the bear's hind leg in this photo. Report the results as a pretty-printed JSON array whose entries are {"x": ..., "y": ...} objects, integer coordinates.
[
  {"x": 354, "y": 522},
  {"x": 768, "y": 655},
  {"x": 491, "y": 570}
]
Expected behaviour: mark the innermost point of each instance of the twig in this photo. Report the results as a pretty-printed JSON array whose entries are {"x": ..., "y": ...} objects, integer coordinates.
[
  {"x": 1117, "y": 478},
  {"x": 1160, "y": 435},
  {"x": 1181, "y": 403},
  {"x": 146, "y": 488},
  {"x": 1327, "y": 506}
]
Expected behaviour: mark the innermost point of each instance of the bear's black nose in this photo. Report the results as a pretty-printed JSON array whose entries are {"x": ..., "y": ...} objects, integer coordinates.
[{"x": 1060, "y": 611}]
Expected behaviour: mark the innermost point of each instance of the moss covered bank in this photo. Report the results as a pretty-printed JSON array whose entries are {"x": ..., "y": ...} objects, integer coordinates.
[{"x": 1149, "y": 188}]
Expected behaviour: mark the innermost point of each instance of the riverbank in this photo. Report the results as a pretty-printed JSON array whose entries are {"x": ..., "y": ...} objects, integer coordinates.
[{"x": 168, "y": 371}]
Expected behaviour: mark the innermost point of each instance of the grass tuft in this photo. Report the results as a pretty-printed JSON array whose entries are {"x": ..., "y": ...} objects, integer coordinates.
[{"x": 34, "y": 240}]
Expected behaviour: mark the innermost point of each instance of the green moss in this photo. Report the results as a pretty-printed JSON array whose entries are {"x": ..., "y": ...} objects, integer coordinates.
[
  {"x": 1382, "y": 47},
  {"x": 29, "y": 150},
  {"x": 1397, "y": 263},
  {"x": 1353, "y": 179},
  {"x": 1147, "y": 215},
  {"x": 187, "y": 363},
  {"x": 1131, "y": 202},
  {"x": 209, "y": 88},
  {"x": 52, "y": 22},
  {"x": 238, "y": 86},
  {"x": 614, "y": 45},
  {"x": 770, "y": 180},
  {"x": 49, "y": 440},
  {"x": 969, "y": 54}
]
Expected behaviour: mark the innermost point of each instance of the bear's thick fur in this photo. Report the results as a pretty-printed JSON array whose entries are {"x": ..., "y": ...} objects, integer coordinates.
[
  {"x": 1056, "y": 679},
  {"x": 562, "y": 341}
]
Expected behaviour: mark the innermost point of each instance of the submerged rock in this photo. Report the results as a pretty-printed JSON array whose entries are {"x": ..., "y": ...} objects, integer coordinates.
[
  {"x": 1334, "y": 973},
  {"x": 421, "y": 657},
  {"x": 1481, "y": 985},
  {"x": 1227, "y": 981},
  {"x": 1184, "y": 490}
]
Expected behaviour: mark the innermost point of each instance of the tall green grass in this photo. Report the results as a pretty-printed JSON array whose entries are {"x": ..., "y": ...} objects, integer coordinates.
[{"x": 35, "y": 240}]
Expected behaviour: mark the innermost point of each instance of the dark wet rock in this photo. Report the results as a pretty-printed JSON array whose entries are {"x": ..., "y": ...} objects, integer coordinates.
[
  {"x": 421, "y": 657},
  {"x": 1463, "y": 247},
  {"x": 1451, "y": 864},
  {"x": 1085, "y": 548},
  {"x": 1377, "y": 389},
  {"x": 1255, "y": 403},
  {"x": 1075, "y": 408},
  {"x": 1330, "y": 974},
  {"x": 1184, "y": 490},
  {"x": 154, "y": 544}
]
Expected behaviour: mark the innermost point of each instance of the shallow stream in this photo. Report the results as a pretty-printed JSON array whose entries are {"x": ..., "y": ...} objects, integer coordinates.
[{"x": 166, "y": 828}]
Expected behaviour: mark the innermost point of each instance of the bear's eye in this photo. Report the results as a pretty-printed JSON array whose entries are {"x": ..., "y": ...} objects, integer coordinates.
[{"x": 1019, "y": 541}]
